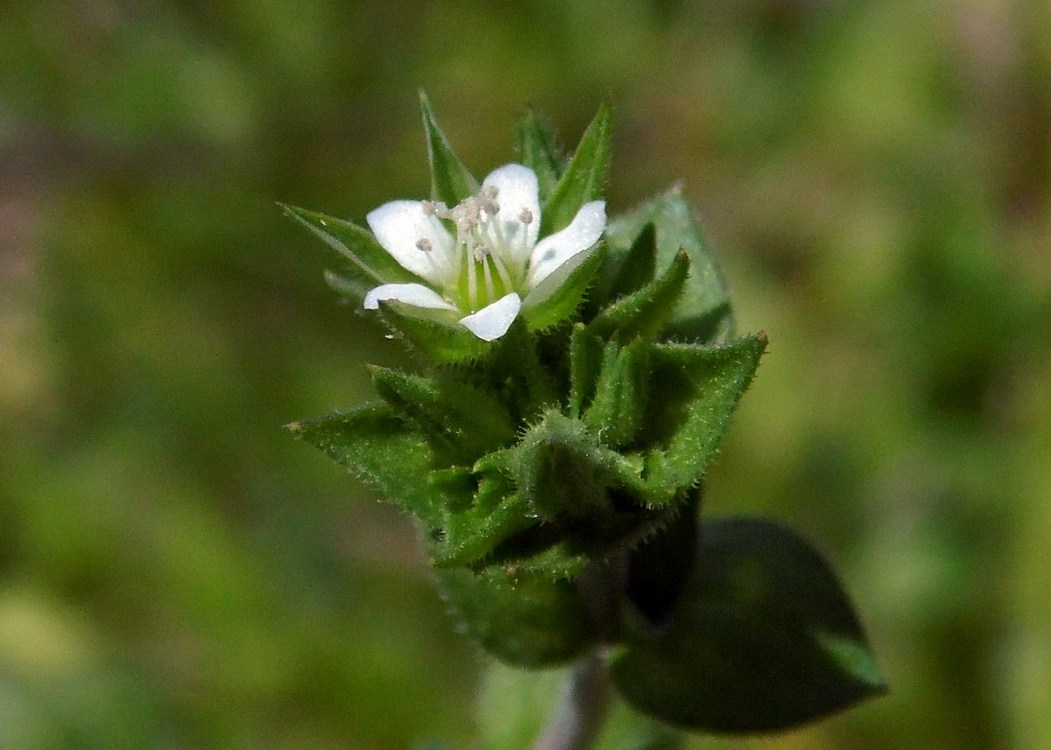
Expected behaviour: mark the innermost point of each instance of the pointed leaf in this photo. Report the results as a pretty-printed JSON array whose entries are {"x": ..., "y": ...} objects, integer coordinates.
[
  {"x": 702, "y": 313},
  {"x": 694, "y": 391},
  {"x": 645, "y": 312},
  {"x": 382, "y": 450},
  {"x": 370, "y": 265},
  {"x": 584, "y": 178},
  {"x": 538, "y": 149},
  {"x": 450, "y": 180},
  {"x": 765, "y": 639},
  {"x": 460, "y": 422}
]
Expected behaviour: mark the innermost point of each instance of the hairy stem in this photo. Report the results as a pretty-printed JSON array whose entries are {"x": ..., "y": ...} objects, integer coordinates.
[{"x": 582, "y": 708}]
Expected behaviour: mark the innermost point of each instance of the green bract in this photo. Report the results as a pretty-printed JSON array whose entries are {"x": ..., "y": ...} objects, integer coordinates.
[{"x": 583, "y": 374}]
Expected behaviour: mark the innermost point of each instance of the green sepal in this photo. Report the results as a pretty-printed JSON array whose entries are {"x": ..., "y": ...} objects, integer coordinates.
[
  {"x": 618, "y": 406},
  {"x": 694, "y": 391},
  {"x": 460, "y": 422},
  {"x": 764, "y": 639},
  {"x": 703, "y": 312},
  {"x": 584, "y": 178},
  {"x": 381, "y": 449},
  {"x": 538, "y": 149},
  {"x": 436, "y": 334},
  {"x": 450, "y": 180},
  {"x": 369, "y": 264},
  {"x": 643, "y": 313},
  {"x": 528, "y": 621},
  {"x": 556, "y": 297}
]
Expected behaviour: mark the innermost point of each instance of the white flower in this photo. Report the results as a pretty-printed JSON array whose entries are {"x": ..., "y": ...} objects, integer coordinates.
[{"x": 493, "y": 266}]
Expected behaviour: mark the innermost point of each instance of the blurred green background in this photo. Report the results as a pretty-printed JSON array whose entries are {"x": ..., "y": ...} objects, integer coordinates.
[{"x": 177, "y": 572}]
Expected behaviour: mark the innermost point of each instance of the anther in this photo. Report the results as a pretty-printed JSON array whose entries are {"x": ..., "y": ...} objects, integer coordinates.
[
  {"x": 424, "y": 244},
  {"x": 526, "y": 216}
]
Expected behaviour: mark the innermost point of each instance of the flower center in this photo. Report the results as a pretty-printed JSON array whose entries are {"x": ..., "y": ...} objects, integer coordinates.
[{"x": 490, "y": 254}]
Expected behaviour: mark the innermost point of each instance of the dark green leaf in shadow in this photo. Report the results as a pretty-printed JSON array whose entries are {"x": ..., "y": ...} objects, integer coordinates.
[{"x": 764, "y": 639}]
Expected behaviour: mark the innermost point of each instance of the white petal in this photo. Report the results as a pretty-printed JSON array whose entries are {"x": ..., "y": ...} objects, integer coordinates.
[
  {"x": 551, "y": 283},
  {"x": 517, "y": 193},
  {"x": 399, "y": 225},
  {"x": 416, "y": 295},
  {"x": 581, "y": 234},
  {"x": 492, "y": 321}
]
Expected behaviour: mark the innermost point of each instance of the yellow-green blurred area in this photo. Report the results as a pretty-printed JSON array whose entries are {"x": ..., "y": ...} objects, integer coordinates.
[{"x": 177, "y": 572}]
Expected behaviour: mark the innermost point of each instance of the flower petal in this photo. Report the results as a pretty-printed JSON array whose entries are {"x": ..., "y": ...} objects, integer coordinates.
[
  {"x": 554, "y": 250},
  {"x": 416, "y": 295},
  {"x": 400, "y": 225},
  {"x": 492, "y": 321},
  {"x": 517, "y": 193}
]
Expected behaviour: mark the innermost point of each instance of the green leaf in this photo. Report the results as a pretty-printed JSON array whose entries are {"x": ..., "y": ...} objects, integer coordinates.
[
  {"x": 382, "y": 450},
  {"x": 450, "y": 180},
  {"x": 370, "y": 265},
  {"x": 618, "y": 407},
  {"x": 584, "y": 178},
  {"x": 703, "y": 311},
  {"x": 694, "y": 391},
  {"x": 528, "y": 621},
  {"x": 538, "y": 149},
  {"x": 644, "y": 312},
  {"x": 460, "y": 422},
  {"x": 434, "y": 333},
  {"x": 765, "y": 639}
]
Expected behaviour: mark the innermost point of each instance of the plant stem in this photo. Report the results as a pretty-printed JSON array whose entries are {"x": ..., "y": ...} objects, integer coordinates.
[{"x": 581, "y": 710}]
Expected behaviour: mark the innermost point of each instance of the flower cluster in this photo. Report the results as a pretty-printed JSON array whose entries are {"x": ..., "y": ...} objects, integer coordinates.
[{"x": 576, "y": 378}]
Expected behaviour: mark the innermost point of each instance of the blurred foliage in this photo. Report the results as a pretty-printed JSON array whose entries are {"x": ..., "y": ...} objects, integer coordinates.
[{"x": 176, "y": 572}]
